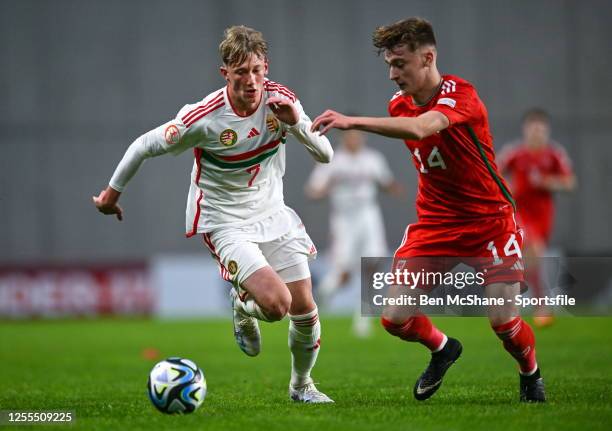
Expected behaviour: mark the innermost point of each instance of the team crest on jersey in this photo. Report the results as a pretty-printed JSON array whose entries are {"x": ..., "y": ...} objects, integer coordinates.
[
  {"x": 272, "y": 123},
  {"x": 172, "y": 134},
  {"x": 228, "y": 137},
  {"x": 232, "y": 267}
]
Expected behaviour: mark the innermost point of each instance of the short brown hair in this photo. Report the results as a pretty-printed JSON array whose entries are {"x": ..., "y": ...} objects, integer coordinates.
[
  {"x": 413, "y": 32},
  {"x": 239, "y": 42},
  {"x": 536, "y": 115}
]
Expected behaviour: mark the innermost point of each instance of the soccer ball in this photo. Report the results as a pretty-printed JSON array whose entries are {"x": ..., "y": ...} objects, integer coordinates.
[{"x": 176, "y": 385}]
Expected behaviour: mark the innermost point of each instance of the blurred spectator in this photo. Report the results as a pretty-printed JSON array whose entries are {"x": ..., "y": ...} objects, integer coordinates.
[
  {"x": 351, "y": 181},
  {"x": 536, "y": 167}
]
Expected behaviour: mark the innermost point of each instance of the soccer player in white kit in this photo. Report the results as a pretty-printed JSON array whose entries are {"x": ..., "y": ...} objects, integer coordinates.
[
  {"x": 357, "y": 230},
  {"x": 235, "y": 200}
]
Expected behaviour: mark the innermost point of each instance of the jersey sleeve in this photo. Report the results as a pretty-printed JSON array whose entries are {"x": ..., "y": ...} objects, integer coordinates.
[
  {"x": 459, "y": 103},
  {"x": 384, "y": 176},
  {"x": 171, "y": 137},
  {"x": 563, "y": 164},
  {"x": 317, "y": 145},
  {"x": 505, "y": 159},
  {"x": 394, "y": 105},
  {"x": 320, "y": 178}
]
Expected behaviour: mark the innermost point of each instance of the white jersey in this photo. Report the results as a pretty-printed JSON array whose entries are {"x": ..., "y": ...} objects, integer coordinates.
[
  {"x": 352, "y": 179},
  {"x": 239, "y": 161}
]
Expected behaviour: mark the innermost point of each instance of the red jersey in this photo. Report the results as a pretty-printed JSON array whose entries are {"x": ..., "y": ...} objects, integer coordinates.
[
  {"x": 526, "y": 167},
  {"x": 458, "y": 177}
]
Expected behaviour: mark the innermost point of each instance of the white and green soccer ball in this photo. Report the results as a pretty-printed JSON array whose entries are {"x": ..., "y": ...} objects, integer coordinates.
[{"x": 176, "y": 385}]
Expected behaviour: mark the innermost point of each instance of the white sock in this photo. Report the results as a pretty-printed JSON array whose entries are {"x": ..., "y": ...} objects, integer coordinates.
[
  {"x": 442, "y": 344},
  {"x": 304, "y": 342},
  {"x": 328, "y": 286},
  {"x": 362, "y": 326},
  {"x": 252, "y": 308},
  {"x": 530, "y": 373}
]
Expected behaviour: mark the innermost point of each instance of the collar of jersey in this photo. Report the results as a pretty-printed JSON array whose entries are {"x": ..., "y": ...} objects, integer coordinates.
[{"x": 229, "y": 100}]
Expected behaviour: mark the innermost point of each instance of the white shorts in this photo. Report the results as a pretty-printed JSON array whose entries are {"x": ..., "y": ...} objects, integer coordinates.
[
  {"x": 279, "y": 241},
  {"x": 356, "y": 234}
]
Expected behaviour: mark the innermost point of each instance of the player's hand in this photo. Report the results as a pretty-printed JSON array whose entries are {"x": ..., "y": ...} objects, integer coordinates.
[
  {"x": 106, "y": 202},
  {"x": 284, "y": 110},
  {"x": 331, "y": 120}
]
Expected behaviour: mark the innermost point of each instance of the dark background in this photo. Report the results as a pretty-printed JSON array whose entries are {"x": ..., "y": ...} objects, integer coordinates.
[{"x": 81, "y": 79}]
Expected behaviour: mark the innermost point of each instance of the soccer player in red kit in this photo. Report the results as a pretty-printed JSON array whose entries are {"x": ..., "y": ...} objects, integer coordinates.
[
  {"x": 537, "y": 168},
  {"x": 463, "y": 205}
]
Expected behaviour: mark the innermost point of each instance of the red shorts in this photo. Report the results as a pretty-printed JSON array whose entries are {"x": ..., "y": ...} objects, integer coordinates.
[
  {"x": 536, "y": 228},
  {"x": 490, "y": 246}
]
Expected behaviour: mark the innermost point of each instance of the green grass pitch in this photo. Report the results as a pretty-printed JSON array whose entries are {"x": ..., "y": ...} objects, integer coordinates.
[{"x": 96, "y": 368}]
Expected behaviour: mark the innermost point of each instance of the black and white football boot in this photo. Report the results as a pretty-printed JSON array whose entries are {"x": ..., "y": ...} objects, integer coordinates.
[
  {"x": 532, "y": 388},
  {"x": 431, "y": 379}
]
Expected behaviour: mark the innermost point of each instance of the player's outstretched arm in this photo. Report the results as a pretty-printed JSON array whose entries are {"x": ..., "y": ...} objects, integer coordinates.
[
  {"x": 300, "y": 126},
  {"x": 416, "y": 128},
  {"x": 158, "y": 141}
]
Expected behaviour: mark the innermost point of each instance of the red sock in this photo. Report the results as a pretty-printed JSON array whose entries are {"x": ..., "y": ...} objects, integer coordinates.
[
  {"x": 417, "y": 328},
  {"x": 519, "y": 341}
]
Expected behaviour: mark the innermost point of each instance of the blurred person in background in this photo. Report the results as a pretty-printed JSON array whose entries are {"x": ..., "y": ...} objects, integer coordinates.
[
  {"x": 536, "y": 167},
  {"x": 357, "y": 229}
]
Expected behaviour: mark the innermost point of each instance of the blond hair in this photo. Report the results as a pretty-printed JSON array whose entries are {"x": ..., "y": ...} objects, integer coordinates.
[{"x": 239, "y": 42}]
